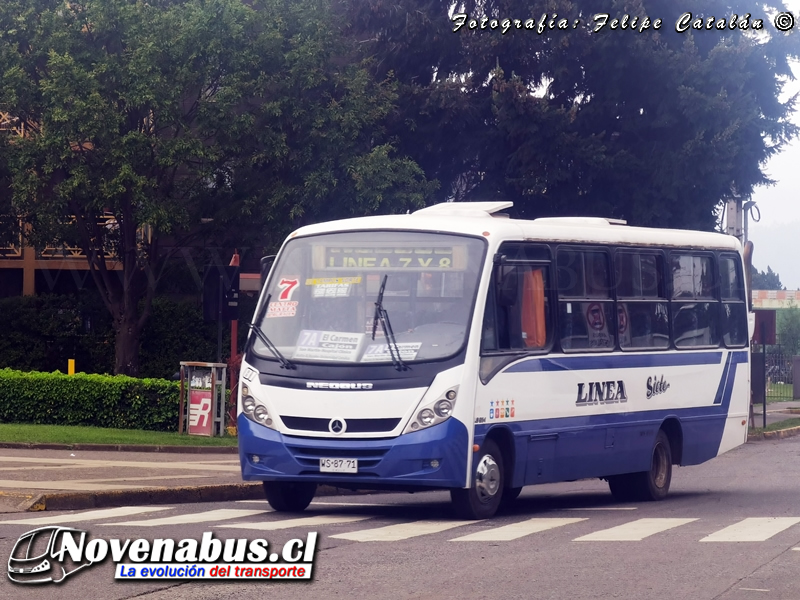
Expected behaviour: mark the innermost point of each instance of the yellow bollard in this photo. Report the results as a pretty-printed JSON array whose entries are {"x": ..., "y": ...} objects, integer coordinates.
[{"x": 71, "y": 366}]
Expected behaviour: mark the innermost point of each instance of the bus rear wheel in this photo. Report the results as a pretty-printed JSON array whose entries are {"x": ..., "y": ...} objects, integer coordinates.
[
  {"x": 289, "y": 496},
  {"x": 482, "y": 499},
  {"x": 647, "y": 485}
]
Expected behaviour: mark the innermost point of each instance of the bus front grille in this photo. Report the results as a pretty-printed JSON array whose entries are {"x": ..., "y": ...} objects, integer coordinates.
[{"x": 353, "y": 425}]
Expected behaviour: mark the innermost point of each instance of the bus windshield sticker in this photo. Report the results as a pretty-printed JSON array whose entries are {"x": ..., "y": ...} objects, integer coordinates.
[
  {"x": 329, "y": 345},
  {"x": 331, "y": 290},
  {"x": 288, "y": 286},
  {"x": 332, "y": 287},
  {"x": 282, "y": 309},
  {"x": 380, "y": 352},
  {"x": 332, "y": 280}
]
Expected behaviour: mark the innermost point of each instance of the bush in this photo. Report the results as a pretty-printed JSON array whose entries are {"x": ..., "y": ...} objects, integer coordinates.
[{"x": 96, "y": 400}]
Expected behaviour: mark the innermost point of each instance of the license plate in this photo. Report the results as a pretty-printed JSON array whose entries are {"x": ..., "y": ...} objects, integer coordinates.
[{"x": 338, "y": 465}]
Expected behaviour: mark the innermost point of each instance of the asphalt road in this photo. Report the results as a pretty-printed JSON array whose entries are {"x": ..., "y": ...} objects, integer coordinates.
[{"x": 729, "y": 530}]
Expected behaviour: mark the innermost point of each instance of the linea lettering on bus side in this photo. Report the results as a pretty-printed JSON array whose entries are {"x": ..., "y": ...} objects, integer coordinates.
[
  {"x": 334, "y": 385},
  {"x": 601, "y": 392}
]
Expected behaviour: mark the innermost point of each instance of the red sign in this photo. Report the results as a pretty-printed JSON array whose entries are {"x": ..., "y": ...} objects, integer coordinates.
[
  {"x": 200, "y": 421},
  {"x": 765, "y": 327}
]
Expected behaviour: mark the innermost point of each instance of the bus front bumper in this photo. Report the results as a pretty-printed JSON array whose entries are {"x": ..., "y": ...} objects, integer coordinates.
[{"x": 435, "y": 457}]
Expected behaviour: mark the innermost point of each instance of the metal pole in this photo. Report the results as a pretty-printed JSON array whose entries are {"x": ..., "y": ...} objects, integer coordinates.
[
  {"x": 766, "y": 380},
  {"x": 234, "y": 333},
  {"x": 180, "y": 406},
  {"x": 219, "y": 319}
]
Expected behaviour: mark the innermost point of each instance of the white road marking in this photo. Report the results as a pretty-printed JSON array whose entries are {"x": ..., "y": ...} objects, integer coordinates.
[
  {"x": 401, "y": 531},
  {"x": 92, "y": 515},
  {"x": 754, "y": 590},
  {"x": 222, "y": 514},
  {"x": 515, "y": 530},
  {"x": 86, "y": 485},
  {"x": 319, "y": 503},
  {"x": 289, "y": 523},
  {"x": 633, "y": 531},
  {"x": 603, "y": 508},
  {"x": 68, "y": 463},
  {"x": 150, "y": 478},
  {"x": 752, "y": 530}
]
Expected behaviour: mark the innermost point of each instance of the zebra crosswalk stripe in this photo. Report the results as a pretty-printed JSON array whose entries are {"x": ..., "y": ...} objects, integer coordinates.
[
  {"x": 211, "y": 516},
  {"x": 400, "y": 531},
  {"x": 515, "y": 530},
  {"x": 301, "y": 522},
  {"x": 757, "y": 529},
  {"x": 634, "y": 531},
  {"x": 92, "y": 515}
]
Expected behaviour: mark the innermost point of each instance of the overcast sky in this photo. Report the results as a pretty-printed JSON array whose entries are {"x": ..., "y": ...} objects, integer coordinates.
[{"x": 777, "y": 236}]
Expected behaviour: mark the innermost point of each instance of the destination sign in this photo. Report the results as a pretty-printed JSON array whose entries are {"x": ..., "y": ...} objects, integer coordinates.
[{"x": 409, "y": 258}]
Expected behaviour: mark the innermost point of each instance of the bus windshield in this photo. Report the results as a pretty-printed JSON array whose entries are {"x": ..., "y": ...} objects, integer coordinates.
[{"x": 323, "y": 291}]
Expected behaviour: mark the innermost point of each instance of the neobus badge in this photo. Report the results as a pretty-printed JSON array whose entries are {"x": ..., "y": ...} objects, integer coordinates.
[{"x": 332, "y": 385}]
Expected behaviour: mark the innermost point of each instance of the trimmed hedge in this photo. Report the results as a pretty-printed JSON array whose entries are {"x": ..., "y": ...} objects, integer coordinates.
[{"x": 96, "y": 400}]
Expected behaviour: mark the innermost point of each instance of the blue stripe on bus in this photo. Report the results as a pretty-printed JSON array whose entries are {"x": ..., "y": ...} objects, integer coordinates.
[
  {"x": 580, "y": 437},
  {"x": 618, "y": 361}
]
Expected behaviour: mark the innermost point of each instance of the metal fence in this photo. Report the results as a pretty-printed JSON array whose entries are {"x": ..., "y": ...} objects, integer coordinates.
[{"x": 776, "y": 363}]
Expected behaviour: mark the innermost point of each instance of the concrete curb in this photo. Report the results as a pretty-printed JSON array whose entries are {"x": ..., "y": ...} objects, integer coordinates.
[
  {"x": 774, "y": 435},
  {"x": 175, "y": 495},
  {"x": 124, "y": 448}
]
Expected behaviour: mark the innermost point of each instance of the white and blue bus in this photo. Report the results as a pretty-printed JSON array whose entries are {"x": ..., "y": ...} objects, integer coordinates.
[{"x": 456, "y": 348}]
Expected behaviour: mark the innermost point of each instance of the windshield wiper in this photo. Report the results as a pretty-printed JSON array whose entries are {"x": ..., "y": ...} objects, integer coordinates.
[
  {"x": 382, "y": 316},
  {"x": 284, "y": 362}
]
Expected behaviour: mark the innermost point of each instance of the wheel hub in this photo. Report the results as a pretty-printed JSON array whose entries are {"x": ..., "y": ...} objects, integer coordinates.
[{"x": 487, "y": 478}]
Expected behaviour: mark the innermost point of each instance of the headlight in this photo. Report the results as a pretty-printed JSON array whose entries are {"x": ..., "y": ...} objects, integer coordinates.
[
  {"x": 261, "y": 415},
  {"x": 426, "y": 416},
  {"x": 443, "y": 408},
  {"x": 253, "y": 409},
  {"x": 433, "y": 413}
]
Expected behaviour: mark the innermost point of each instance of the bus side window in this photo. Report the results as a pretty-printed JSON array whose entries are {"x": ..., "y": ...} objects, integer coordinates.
[
  {"x": 642, "y": 315},
  {"x": 585, "y": 307},
  {"x": 734, "y": 310},
  {"x": 694, "y": 306},
  {"x": 517, "y": 313}
]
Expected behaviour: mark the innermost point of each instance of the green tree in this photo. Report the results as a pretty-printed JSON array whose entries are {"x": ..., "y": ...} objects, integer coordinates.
[
  {"x": 788, "y": 326},
  {"x": 766, "y": 280},
  {"x": 657, "y": 127},
  {"x": 168, "y": 120}
]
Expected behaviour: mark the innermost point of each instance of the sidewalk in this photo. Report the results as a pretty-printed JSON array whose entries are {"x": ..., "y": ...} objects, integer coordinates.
[
  {"x": 776, "y": 412},
  {"x": 66, "y": 479}
]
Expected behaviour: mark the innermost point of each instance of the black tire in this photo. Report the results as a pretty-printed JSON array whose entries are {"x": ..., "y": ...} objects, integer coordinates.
[
  {"x": 654, "y": 484},
  {"x": 289, "y": 496},
  {"x": 622, "y": 487},
  {"x": 510, "y": 494},
  {"x": 482, "y": 499},
  {"x": 649, "y": 485}
]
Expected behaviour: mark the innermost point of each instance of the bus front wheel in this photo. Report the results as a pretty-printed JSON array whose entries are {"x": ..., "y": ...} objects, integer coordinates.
[
  {"x": 482, "y": 499},
  {"x": 289, "y": 496}
]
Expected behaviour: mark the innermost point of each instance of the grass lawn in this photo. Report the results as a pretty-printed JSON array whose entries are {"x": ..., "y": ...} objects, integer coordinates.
[
  {"x": 779, "y": 392},
  {"x": 776, "y": 426},
  {"x": 69, "y": 434}
]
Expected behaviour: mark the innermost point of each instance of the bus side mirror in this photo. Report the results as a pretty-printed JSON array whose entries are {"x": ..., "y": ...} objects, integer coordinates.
[
  {"x": 507, "y": 286},
  {"x": 266, "y": 265}
]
